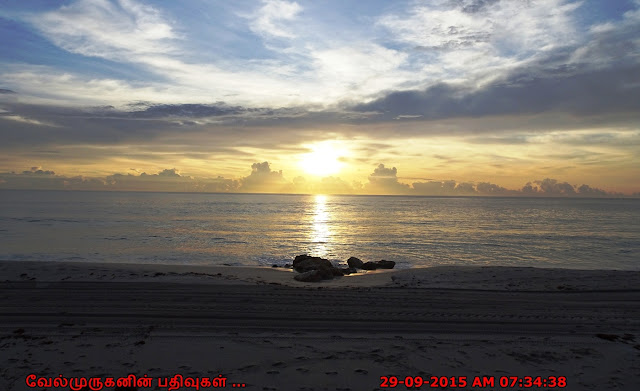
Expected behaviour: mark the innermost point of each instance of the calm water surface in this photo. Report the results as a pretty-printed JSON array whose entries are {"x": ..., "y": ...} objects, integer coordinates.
[{"x": 254, "y": 230}]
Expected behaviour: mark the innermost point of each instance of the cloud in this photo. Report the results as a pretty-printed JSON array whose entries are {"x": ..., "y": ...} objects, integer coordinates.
[
  {"x": 611, "y": 43},
  {"x": 170, "y": 173},
  {"x": 270, "y": 20},
  {"x": 491, "y": 189},
  {"x": 34, "y": 178},
  {"x": 358, "y": 70},
  {"x": 553, "y": 188},
  {"x": 526, "y": 76},
  {"x": 37, "y": 171},
  {"x": 333, "y": 185},
  {"x": 169, "y": 180},
  {"x": 489, "y": 26},
  {"x": 598, "y": 92},
  {"x": 472, "y": 40},
  {"x": 167, "y": 69},
  {"x": 493, "y": 58},
  {"x": 19, "y": 118},
  {"x": 190, "y": 110},
  {"x": 44, "y": 85},
  {"x": 109, "y": 29},
  {"x": 447, "y": 188},
  {"x": 165, "y": 180},
  {"x": 465, "y": 45},
  {"x": 435, "y": 187},
  {"x": 588, "y": 191},
  {"x": 263, "y": 180},
  {"x": 384, "y": 180}
]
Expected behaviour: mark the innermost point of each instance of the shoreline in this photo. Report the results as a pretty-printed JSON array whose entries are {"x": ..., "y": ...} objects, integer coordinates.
[
  {"x": 261, "y": 328},
  {"x": 508, "y": 278}
]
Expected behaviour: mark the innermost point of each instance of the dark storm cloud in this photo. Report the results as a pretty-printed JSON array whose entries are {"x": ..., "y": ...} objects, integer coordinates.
[{"x": 5, "y": 91}]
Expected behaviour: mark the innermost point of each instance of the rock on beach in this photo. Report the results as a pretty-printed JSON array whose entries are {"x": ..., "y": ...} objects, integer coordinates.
[{"x": 314, "y": 269}]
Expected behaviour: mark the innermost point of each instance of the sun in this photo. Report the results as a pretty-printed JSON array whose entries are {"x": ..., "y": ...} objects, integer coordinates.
[{"x": 323, "y": 160}]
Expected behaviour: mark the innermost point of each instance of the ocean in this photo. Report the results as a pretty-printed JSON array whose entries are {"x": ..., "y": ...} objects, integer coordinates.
[{"x": 266, "y": 230}]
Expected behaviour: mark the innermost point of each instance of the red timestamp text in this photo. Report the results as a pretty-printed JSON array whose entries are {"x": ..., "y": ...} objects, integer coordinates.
[{"x": 474, "y": 382}]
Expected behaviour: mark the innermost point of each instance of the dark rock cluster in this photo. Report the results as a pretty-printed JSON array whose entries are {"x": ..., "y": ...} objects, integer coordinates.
[{"x": 314, "y": 269}]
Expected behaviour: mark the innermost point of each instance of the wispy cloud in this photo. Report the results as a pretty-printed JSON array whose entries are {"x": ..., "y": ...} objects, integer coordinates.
[
  {"x": 31, "y": 121},
  {"x": 270, "y": 19},
  {"x": 470, "y": 43},
  {"x": 473, "y": 41},
  {"x": 112, "y": 30},
  {"x": 130, "y": 32}
]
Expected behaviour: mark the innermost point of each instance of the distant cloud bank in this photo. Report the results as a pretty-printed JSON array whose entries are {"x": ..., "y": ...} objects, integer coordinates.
[{"x": 262, "y": 179}]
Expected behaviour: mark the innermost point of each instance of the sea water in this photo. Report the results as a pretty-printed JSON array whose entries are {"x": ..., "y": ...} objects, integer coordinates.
[{"x": 264, "y": 229}]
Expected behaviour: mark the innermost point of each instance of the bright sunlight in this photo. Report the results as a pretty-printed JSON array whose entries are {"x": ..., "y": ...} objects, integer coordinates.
[{"x": 324, "y": 160}]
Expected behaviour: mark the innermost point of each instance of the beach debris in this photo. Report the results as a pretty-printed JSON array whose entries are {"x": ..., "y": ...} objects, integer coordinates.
[{"x": 314, "y": 269}]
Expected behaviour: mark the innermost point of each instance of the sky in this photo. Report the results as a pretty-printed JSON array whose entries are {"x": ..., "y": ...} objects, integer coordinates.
[{"x": 442, "y": 97}]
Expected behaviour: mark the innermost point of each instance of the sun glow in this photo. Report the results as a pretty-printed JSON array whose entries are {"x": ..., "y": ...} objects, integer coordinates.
[{"x": 324, "y": 160}]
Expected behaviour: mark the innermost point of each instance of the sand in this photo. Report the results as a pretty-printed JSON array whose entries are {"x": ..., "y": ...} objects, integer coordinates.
[{"x": 260, "y": 329}]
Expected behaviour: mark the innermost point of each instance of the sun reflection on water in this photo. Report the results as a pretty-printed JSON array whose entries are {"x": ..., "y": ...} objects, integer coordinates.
[{"x": 320, "y": 234}]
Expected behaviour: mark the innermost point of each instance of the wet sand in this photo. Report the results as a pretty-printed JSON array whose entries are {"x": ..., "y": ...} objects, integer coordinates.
[{"x": 261, "y": 328}]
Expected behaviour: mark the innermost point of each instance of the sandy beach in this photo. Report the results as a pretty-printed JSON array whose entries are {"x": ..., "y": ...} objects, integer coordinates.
[{"x": 259, "y": 329}]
